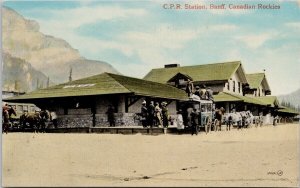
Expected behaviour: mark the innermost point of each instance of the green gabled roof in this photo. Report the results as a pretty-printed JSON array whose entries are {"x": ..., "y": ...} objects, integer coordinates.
[
  {"x": 105, "y": 83},
  {"x": 225, "y": 96},
  {"x": 255, "y": 79},
  {"x": 252, "y": 100},
  {"x": 269, "y": 100},
  {"x": 208, "y": 72},
  {"x": 149, "y": 88}
]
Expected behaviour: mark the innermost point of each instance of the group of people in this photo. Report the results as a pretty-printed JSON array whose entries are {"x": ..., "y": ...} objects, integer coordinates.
[
  {"x": 154, "y": 115},
  {"x": 7, "y": 111},
  {"x": 192, "y": 118},
  {"x": 203, "y": 92}
]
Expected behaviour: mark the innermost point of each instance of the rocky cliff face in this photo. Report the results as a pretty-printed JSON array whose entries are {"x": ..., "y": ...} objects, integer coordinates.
[
  {"x": 52, "y": 56},
  {"x": 19, "y": 75}
]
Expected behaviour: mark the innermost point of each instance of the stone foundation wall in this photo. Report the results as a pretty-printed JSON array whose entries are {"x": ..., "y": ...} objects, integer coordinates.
[
  {"x": 122, "y": 119},
  {"x": 71, "y": 121}
]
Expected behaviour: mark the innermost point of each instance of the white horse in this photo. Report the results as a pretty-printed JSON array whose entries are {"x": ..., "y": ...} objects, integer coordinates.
[
  {"x": 241, "y": 119},
  {"x": 258, "y": 120},
  {"x": 249, "y": 118},
  {"x": 233, "y": 118}
]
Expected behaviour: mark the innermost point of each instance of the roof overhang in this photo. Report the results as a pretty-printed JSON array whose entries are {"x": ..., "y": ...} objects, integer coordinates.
[
  {"x": 230, "y": 97},
  {"x": 22, "y": 99}
]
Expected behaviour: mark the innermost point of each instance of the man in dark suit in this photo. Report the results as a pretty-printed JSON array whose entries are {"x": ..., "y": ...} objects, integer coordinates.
[
  {"x": 144, "y": 114},
  {"x": 151, "y": 111},
  {"x": 195, "y": 121},
  {"x": 111, "y": 116}
]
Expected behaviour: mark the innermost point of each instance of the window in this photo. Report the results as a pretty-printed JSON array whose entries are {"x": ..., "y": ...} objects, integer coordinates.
[
  {"x": 228, "y": 86},
  {"x": 259, "y": 92},
  {"x": 32, "y": 108},
  {"x": 197, "y": 106},
  {"x": 203, "y": 108},
  {"x": 209, "y": 107},
  {"x": 233, "y": 86},
  {"x": 25, "y": 107},
  {"x": 239, "y": 87},
  {"x": 20, "y": 108}
]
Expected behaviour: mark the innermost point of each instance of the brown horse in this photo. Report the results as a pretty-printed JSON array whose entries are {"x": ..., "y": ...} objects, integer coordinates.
[
  {"x": 218, "y": 118},
  {"x": 36, "y": 121},
  {"x": 6, "y": 114}
]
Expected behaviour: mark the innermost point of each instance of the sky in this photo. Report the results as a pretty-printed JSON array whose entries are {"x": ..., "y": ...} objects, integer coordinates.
[{"x": 137, "y": 36}]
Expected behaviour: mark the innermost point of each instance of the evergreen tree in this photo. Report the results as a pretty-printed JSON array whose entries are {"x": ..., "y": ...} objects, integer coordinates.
[
  {"x": 17, "y": 86},
  {"x": 48, "y": 82},
  {"x": 70, "y": 75},
  {"x": 37, "y": 83}
]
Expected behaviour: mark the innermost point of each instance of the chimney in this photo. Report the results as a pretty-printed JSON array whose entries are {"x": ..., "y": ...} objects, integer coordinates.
[{"x": 172, "y": 65}]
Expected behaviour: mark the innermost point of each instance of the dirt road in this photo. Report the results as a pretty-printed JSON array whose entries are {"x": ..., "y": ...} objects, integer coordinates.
[{"x": 265, "y": 156}]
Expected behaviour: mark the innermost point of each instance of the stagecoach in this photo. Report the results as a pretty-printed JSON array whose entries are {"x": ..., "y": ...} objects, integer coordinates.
[{"x": 204, "y": 109}]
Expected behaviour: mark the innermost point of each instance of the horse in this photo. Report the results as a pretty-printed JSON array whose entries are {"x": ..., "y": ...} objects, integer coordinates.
[
  {"x": 218, "y": 118},
  {"x": 44, "y": 116},
  {"x": 228, "y": 119},
  {"x": 36, "y": 121},
  {"x": 233, "y": 118},
  {"x": 6, "y": 114},
  {"x": 247, "y": 118},
  {"x": 258, "y": 120}
]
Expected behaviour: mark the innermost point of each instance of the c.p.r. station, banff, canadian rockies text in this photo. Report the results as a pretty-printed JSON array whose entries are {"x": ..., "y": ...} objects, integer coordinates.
[{"x": 219, "y": 6}]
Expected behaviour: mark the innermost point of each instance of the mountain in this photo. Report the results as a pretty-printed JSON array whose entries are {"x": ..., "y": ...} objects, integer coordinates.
[
  {"x": 54, "y": 57},
  {"x": 19, "y": 75},
  {"x": 292, "y": 98}
]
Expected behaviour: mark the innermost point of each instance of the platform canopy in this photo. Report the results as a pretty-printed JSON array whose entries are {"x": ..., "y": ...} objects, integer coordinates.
[
  {"x": 226, "y": 97},
  {"x": 104, "y": 84},
  {"x": 230, "y": 97},
  {"x": 271, "y": 101}
]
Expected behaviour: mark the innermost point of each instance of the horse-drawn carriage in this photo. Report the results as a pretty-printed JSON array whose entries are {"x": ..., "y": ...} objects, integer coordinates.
[{"x": 204, "y": 110}]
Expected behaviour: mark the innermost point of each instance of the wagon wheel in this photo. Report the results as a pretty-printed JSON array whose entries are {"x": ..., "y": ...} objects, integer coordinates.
[
  {"x": 207, "y": 124},
  {"x": 215, "y": 125}
]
